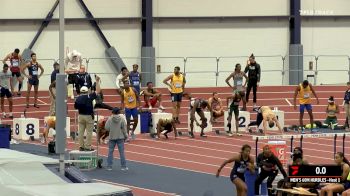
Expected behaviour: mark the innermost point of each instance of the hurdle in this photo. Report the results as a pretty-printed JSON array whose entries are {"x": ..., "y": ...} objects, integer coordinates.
[{"x": 301, "y": 137}]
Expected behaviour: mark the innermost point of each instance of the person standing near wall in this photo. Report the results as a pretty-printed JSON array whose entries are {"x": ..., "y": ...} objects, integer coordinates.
[
  {"x": 177, "y": 86},
  {"x": 347, "y": 106},
  {"x": 121, "y": 78},
  {"x": 5, "y": 86},
  {"x": 33, "y": 78},
  {"x": 135, "y": 78},
  {"x": 83, "y": 79},
  {"x": 52, "y": 89},
  {"x": 15, "y": 67},
  {"x": 238, "y": 85},
  {"x": 73, "y": 62},
  {"x": 254, "y": 74}
]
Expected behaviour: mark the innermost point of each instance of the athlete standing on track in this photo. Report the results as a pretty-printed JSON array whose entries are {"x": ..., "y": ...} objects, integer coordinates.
[
  {"x": 304, "y": 90},
  {"x": 242, "y": 162},
  {"x": 238, "y": 85},
  {"x": 33, "y": 78},
  {"x": 177, "y": 86},
  {"x": 347, "y": 105},
  {"x": 234, "y": 107},
  {"x": 15, "y": 67},
  {"x": 254, "y": 73}
]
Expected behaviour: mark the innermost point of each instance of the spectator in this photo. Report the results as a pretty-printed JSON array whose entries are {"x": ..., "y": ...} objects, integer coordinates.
[
  {"x": 84, "y": 104},
  {"x": 152, "y": 96},
  {"x": 116, "y": 126},
  {"x": 215, "y": 107},
  {"x": 83, "y": 79},
  {"x": 254, "y": 74},
  {"x": 121, "y": 79},
  {"x": 73, "y": 62}
]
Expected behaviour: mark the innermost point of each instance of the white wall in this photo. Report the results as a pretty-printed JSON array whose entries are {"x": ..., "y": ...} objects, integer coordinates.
[
  {"x": 220, "y": 7},
  {"x": 99, "y": 8},
  {"x": 327, "y": 37},
  {"x": 225, "y": 39},
  {"x": 337, "y": 7}
]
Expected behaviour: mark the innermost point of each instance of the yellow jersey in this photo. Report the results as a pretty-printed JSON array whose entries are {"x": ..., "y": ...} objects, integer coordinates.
[
  {"x": 177, "y": 83},
  {"x": 267, "y": 112},
  {"x": 129, "y": 99},
  {"x": 304, "y": 95},
  {"x": 331, "y": 110}
]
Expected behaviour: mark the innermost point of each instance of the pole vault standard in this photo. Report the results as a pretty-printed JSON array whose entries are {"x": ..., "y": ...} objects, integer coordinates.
[{"x": 61, "y": 95}]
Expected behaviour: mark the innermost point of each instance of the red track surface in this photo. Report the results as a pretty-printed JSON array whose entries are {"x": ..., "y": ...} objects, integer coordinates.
[{"x": 205, "y": 155}]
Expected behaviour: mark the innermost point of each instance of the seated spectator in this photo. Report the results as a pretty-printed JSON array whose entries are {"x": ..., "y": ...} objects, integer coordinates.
[
  {"x": 215, "y": 107},
  {"x": 152, "y": 96},
  {"x": 329, "y": 189},
  {"x": 332, "y": 110}
]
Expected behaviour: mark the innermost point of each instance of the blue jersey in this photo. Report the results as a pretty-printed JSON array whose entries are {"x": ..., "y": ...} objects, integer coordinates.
[
  {"x": 135, "y": 80},
  {"x": 33, "y": 69}
]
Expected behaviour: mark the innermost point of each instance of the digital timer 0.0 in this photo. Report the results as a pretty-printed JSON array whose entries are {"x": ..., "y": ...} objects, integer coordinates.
[{"x": 315, "y": 171}]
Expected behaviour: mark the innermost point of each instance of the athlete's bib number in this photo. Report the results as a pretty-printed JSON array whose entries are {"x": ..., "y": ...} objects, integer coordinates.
[
  {"x": 178, "y": 85},
  {"x": 331, "y": 113},
  {"x": 239, "y": 83},
  {"x": 136, "y": 83},
  {"x": 130, "y": 99},
  {"x": 241, "y": 169},
  {"x": 306, "y": 95},
  {"x": 235, "y": 103},
  {"x": 15, "y": 63},
  {"x": 35, "y": 73}
]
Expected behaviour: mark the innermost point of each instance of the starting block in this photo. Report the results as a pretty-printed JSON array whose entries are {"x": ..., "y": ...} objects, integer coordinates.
[
  {"x": 155, "y": 119},
  {"x": 25, "y": 128},
  {"x": 243, "y": 119},
  {"x": 197, "y": 129},
  {"x": 67, "y": 126}
]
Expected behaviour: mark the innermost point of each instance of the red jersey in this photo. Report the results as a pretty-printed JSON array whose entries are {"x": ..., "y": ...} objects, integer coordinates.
[{"x": 15, "y": 64}]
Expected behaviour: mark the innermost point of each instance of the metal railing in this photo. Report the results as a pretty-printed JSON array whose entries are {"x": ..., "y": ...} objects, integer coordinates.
[{"x": 212, "y": 71}]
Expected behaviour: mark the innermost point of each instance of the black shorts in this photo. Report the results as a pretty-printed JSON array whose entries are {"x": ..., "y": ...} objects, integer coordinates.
[
  {"x": 235, "y": 175},
  {"x": 168, "y": 127},
  {"x": 176, "y": 97},
  {"x": 72, "y": 78},
  {"x": 17, "y": 74},
  {"x": 33, "y": 81},
  {"x": 5, "y": 92}
]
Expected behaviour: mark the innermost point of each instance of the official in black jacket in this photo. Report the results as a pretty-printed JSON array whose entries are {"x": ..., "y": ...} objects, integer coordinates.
[
  {"x": 268, "y": 164},
  {"x": 254, "y": 73}
]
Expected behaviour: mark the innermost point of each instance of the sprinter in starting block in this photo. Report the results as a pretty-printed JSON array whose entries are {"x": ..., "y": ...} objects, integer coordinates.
[
  {"x": 167, "y": 125},
  {"x": 266, "y": 116},
  {"x": 198, "y": 105}
]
